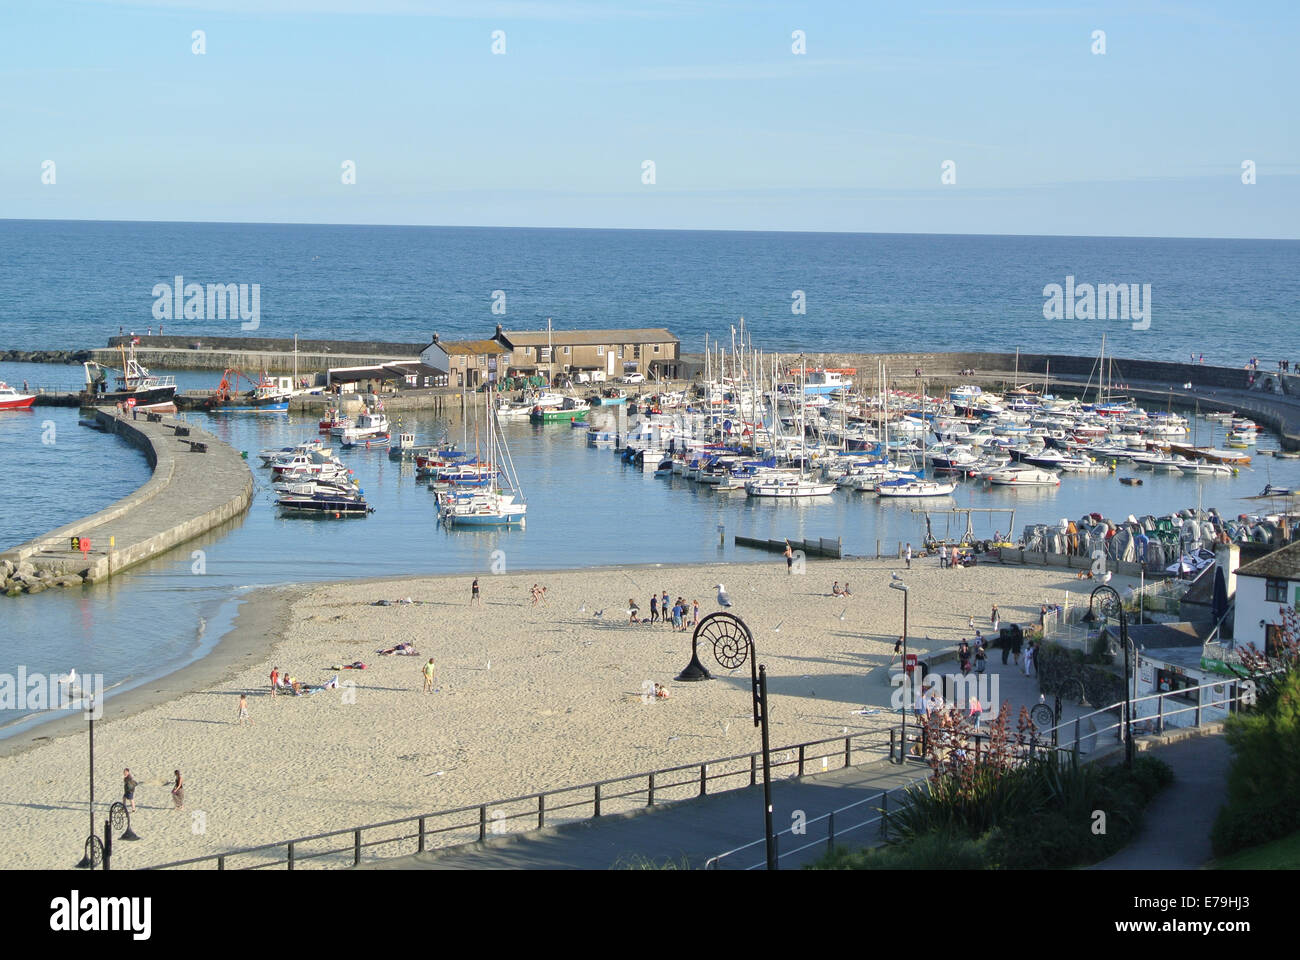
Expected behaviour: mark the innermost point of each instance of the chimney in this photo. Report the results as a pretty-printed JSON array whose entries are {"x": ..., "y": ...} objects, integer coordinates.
[
  {"x": 435, "y": 336},
  {"x": 498, "y": 329}
]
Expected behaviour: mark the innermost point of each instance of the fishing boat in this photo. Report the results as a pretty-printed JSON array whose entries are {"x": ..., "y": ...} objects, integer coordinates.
[
  {"x": 11, "y": 399},
  {"x": 570, "y": 409},
  {"x": 135, "y": 385},
  {"x": 334, "y": 417},
  {"x": 1240, "y": 439},
  {"x": 264, "y": 396},
  {"x": 368, "y": 424}
]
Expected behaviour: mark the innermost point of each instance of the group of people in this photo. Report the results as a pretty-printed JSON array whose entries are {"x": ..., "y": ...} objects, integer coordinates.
[
  {"x": 838, "y": 591},
  {"x": 978, "y": 655},
  {"x": 537, "y": 593},
  {"x": 681, "y": 614},
  {"x": 283, "y": 683},
  {"x": 130, "y": 783}
]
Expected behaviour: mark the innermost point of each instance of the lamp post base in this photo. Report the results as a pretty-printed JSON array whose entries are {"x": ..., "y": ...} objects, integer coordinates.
[{"x": 694, "y": 671}]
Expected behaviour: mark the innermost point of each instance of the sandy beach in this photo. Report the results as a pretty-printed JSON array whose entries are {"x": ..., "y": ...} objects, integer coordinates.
[{"x": 527, "y": 697}]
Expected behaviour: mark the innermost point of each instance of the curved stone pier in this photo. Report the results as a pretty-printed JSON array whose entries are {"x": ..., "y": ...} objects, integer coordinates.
[{"x": 189, "y": 493}]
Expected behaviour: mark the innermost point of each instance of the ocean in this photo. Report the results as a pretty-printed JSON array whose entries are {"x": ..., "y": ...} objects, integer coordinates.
[{"x": 66, "y": 284}]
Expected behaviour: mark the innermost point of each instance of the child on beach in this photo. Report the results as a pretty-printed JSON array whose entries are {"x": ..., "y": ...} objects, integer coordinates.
[
  {"x": 243, "y": 710},
  {"x": 429, "y": 672},
  {"x": 178, "y": 791},
  {"x": 695, "y": 612},
  {"x": 275, "y": 681},
  {"x": 129, "y": 783},
  {"x": 473, "y": 593},
  {"x": 633, "y": 610}
]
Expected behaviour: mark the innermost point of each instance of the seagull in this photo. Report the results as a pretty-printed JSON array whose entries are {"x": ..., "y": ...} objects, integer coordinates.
[
  {"x": 489, "y": 666},
  {"x": 671, "y": 739},
  {"x": 724, "y": 600},
  {"x": 893, "y": 575},
  {"x": 726, "y": 727},
  {"x": 583, "y": 608},
  {"x": 777, "y": 628},
  {"x": 599, "y": 614},
  {"x": 844, "y": 611}
]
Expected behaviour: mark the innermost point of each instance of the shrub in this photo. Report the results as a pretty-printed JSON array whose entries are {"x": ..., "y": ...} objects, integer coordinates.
[{"x": 935, "y": 851}]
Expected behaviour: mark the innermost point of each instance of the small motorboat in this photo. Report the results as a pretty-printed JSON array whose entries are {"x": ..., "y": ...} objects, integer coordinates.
[
  {"x": 11, "y": 399},
  {"x": 330, "y": 505}
]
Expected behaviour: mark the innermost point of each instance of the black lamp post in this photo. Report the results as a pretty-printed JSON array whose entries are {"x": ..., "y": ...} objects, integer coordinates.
[
  {"x": 733, "y": 644},
  {"x": 1114, "y": 600},
  {"x": 897, "y": 584},
  {"x": 94, "y": 850}
]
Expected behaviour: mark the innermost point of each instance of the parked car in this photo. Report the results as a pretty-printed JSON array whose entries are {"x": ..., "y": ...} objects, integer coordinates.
[{"x": 634, "y": 378}]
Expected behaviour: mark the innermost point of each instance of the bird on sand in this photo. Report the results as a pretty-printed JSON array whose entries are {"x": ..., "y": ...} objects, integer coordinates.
[
  {"x": 724, "y": 599},
  {"x": 599, "y": 613},
  {"x": 844, "y": 611},
  {"x": 777, "y": 628}
]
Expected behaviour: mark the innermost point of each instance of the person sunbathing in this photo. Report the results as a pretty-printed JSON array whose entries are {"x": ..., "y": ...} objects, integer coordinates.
[{"x": 403, "y": 649}]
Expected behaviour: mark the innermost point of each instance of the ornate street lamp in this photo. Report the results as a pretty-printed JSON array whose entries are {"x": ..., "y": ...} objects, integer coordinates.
[
  {"x": 896, "y": 583},
  {"x": 733, "y": 644},
  {"x": 93, "y": 855},
  {"x": 1112, "y": 605}
]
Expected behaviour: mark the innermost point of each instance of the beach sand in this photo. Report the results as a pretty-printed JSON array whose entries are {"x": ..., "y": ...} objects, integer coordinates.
[{"x": 528, "y": 697}]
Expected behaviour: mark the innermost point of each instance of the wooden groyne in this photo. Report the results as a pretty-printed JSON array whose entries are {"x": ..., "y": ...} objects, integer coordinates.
[{"x": 198, "y": 483}]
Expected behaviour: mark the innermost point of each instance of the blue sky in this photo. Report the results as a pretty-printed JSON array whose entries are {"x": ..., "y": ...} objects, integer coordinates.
[{"x": 1046, "y": 136}]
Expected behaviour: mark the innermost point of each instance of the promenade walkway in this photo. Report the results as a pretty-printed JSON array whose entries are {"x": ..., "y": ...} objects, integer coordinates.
[{"x": 189, "y": 493}]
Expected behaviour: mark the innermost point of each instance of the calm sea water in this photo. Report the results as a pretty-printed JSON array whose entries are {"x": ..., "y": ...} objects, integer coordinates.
[{"x": 72, "y": 284}]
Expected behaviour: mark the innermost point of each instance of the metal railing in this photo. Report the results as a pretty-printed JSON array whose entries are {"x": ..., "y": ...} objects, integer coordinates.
[
  {"x": 480, "y": 822},
  {"x": 881, "y": 809}
]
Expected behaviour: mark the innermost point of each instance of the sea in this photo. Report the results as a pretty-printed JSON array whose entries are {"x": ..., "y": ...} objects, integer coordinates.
[{"x": 70, "y": 285}]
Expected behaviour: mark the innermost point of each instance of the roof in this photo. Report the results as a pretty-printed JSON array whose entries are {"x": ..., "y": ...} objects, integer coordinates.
[
  {"x": 458, "y": 347},
  {"x": 1281, "y": 564},
  {"x": 577, "y": 338},
  {"x": 384, "y": 371},
  {"x": 1165, "y": 636}
]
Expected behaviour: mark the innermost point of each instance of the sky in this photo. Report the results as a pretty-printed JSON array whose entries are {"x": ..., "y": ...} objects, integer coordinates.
[{"x": 1038, "y": 130}]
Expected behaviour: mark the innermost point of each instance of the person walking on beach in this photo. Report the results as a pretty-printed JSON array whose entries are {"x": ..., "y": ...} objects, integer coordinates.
[
  {"x": 178, "y": 791},
  {"x": 275, "y": 681},
  {"x": 993, "y": 617},
  {"x": 129, "y": 783},
  {"x": 789, "y": 558},
  {"x": 695, "y": 612},
  {"x": 473, "y": 594},
  {"x": 243, "y": 711},
  {"x": 907, "y": 556},
  {"x": 663, "y": 608},
  {"x": 429, "y": 673},
  {"x": 654, "y": 609}
]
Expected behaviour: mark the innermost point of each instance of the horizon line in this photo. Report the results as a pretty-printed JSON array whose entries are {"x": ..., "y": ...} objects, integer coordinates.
[{"x": 454, "y": 226}]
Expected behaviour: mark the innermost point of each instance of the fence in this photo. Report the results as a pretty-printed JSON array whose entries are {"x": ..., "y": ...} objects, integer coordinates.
[{"x": 479, "y": 822}]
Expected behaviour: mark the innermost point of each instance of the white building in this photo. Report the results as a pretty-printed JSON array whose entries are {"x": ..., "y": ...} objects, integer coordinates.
[
  {"x": 1266, "y": 587},
  {"x": 1171, "y": 661}
]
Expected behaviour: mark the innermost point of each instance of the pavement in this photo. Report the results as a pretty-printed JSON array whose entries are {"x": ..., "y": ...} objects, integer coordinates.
[{"x": 1176, "y": 830}]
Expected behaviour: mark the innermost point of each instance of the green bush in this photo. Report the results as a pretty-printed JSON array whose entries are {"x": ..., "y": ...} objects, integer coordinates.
[
  {"x": 935, "y": 851},
  {"x": 1264, "y": 780}
]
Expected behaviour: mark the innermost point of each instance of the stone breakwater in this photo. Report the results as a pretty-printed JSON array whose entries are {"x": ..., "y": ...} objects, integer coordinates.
[
  {"x": 45, "y": 356},
  {"x": 198, "y": 483}
]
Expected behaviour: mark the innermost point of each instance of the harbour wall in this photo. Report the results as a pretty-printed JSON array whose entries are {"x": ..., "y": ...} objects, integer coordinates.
[{"x": 188, "y": 494}]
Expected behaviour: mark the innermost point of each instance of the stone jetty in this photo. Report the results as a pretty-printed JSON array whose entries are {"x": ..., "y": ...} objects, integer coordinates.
[{"x": 198, "y": 482}]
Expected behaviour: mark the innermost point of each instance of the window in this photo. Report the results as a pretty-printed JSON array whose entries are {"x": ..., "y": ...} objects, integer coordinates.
[
  {"x": 636, "y": 351},
  {"x": 600, "y": 351},
  {"x": 544, "y": 354},
  {"x": 620, "y": 353},
  {"x": 1275, "y": 591},
  {"x": 566, "y": 351},
  {"x": 656, "y": 348}
]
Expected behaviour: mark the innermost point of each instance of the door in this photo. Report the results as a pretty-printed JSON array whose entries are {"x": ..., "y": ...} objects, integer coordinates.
[{"x": 609, "y": 363}]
